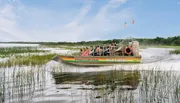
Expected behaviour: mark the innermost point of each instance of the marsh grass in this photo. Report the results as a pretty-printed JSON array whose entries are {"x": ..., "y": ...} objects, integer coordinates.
[
  {"x": 30, "y": 60},
  {"x": 2, "y": 86},
  {"x": 176, "y": 51},
  {"x": 19, "y": 85},
  {"x": 9, "y": 51},
  {"x": 160, "y": 87},
  {"x": 151, "y": 86},
  {"x": 155, "y": 87}
]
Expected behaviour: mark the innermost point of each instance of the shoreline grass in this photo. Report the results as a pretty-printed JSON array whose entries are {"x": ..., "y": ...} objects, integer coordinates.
[{"x": 176, "y": 51}]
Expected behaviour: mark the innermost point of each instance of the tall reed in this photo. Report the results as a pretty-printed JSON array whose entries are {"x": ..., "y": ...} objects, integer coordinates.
[
  {"x": 30, "y": 60},
  {"x": 10, "y": 51},
  {"x": 21, "y": 84}
]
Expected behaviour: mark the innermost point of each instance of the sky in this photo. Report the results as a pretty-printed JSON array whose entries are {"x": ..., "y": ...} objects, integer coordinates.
[{"x": 86, "y": 20}]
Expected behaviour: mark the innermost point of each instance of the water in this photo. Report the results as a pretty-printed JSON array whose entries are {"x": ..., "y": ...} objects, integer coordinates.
[
  {"x": 17, "y": 45},
  {"x": 54, "y": 82},
  {"x": 44, "y": 85}
]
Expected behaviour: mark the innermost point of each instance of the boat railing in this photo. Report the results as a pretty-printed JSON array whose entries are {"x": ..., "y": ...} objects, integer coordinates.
[
  {"x": 103, "y": 50},
  {"x": 114, "y": 49}
]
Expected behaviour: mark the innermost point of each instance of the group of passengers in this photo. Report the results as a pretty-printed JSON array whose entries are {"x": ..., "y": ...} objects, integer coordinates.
[{"x": 106, "y": 50}]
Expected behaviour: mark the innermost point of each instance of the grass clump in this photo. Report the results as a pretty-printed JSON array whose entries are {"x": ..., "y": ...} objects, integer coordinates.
[
  {"x": 176, "y": 51},
  {"x": 9, "y": 51},
  {"x": 21, "y": 84},
  {"x": 27, "y": 60}
]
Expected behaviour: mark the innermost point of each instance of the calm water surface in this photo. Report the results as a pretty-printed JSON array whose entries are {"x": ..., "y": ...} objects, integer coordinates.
[{"x": 17, "y": 45}]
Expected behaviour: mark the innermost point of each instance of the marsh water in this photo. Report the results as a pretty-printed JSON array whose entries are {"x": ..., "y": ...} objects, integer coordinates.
[{"x": 155, "y": 80}]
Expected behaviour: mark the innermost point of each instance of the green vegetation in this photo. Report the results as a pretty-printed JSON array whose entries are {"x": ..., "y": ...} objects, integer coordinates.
[
  {"x": 22, "y": 83},
  {"x": 9, "y": 51},
  {"x": 177, "y": 51},
  {"x": 31, "y": 60}
]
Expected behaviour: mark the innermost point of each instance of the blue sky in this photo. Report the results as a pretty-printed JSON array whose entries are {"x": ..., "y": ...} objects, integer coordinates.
[{"x": 77, "y": 20}]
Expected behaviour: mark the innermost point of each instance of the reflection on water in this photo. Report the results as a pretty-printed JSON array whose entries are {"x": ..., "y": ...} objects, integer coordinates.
[
  {"x": 39, "y": 84},
  {"x": 104, "y": 86},
  {"x": 109, "y": 78}
]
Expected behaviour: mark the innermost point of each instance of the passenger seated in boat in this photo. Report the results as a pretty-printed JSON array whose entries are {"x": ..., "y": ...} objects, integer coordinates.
[
  {"x": 96, "y": 51},
  {"x": 107, "y": 50},
  {"x": 86, "y": 52},
  {"x": 81, "y": 52},
  {"x": 112, "y": 50},
  {"x": 91, "y": 51},
  {"x": 102, "y": 50},
  {"x": 101, "y": 47},
  {"x": 113, "y": 45}
]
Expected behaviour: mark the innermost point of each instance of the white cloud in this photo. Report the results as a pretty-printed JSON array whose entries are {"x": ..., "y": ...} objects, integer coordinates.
[
  {"x": 44, "y": 25},
  {"x": 8, "y": 23},
  {"x": 103, "y": 22}
]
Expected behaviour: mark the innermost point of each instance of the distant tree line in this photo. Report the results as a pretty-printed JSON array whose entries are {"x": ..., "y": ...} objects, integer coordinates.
[{"x": 173, "y": 41}]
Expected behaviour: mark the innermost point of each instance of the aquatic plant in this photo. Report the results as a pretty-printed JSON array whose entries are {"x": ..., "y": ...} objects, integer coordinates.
[
  {"x": 176, "y": 51},
  {"x": 9, "y": 51},
  {"x": 30, "y": 60},
  {"x": 116, "y": 85},
  {"x": 159, "y": 86},
  {"x": 20, "y": 84}
]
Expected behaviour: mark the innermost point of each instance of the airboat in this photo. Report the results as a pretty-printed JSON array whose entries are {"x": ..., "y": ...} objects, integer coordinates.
[{"x": 127, "y": 51}]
